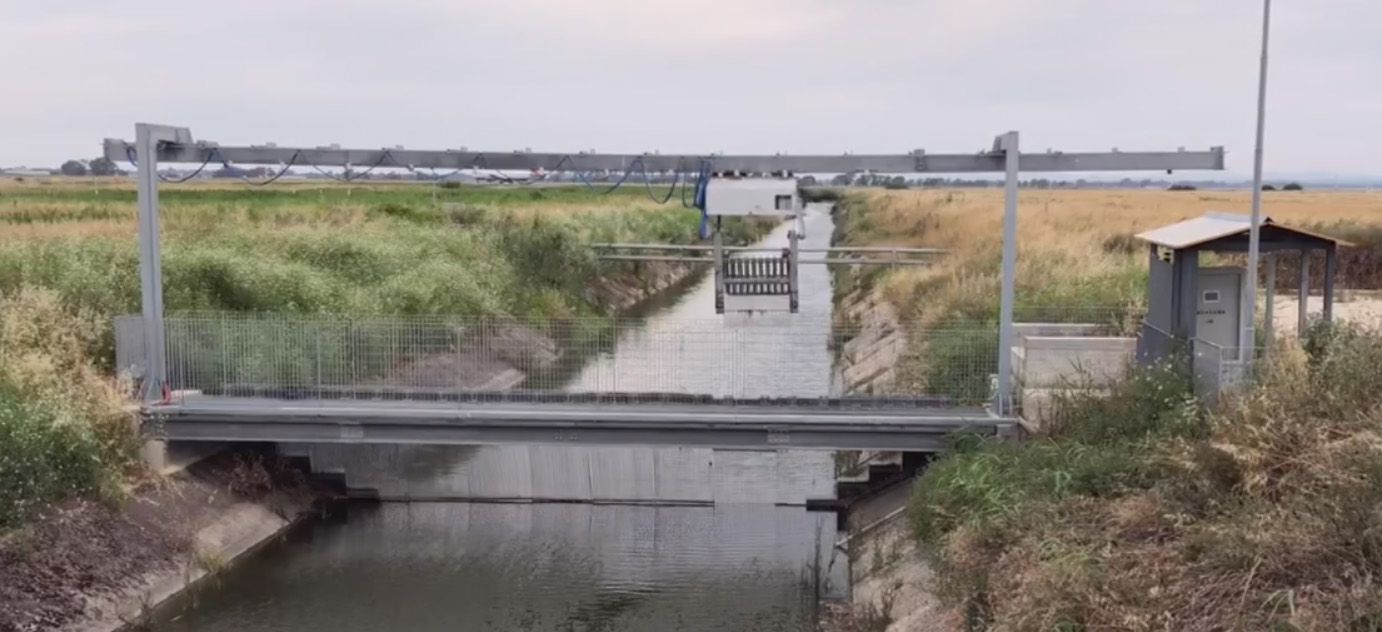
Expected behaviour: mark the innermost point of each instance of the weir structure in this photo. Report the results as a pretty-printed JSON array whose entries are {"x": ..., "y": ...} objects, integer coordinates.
[{"x": 332, "y": 388}]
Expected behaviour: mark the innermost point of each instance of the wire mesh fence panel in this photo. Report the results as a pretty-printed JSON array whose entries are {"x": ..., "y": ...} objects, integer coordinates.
[
  {"x": 953, "y": 362},
  {"x": 316, "y": 357},
  {"x": 129, "y": 346},
  {"x": 1210, "y": 364}
]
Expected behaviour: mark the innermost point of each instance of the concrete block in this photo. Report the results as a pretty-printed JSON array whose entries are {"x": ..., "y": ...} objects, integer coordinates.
[
  {"x": 1051, "y": 362},
  {"x": 154, "y": 453},
  {"x": 1048, "y": 330},
  {"x": 1038, "y": 404}
]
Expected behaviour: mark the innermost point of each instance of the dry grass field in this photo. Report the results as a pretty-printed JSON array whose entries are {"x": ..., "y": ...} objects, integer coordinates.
[{"x": 1075, "y": 248}]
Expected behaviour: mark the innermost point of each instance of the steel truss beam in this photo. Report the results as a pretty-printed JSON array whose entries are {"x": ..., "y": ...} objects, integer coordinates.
[{"x": 916, "y": 162}]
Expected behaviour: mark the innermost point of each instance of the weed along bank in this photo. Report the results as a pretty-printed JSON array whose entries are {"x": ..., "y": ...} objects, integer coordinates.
[{"x": 1164, "y": 470}]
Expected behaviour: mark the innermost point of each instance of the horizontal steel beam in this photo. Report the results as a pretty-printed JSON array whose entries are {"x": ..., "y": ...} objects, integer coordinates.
[
  {"x": 828, "y": 260},
  {"x": 406, "y": 424},
  {"x": 917, "y": 162},
  {"x": 423, "y": 434},
  {"x": 836, "y": 250}
]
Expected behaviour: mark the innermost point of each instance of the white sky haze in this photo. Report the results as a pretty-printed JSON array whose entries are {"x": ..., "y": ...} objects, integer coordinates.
[{"x": 761, "y": 76}]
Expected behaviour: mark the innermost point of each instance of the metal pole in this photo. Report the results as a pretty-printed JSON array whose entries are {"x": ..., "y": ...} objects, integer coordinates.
[
  {"x": 150, "y": 268},
  {"x": 1269, "y": 318},
  {"x": 1247, "y": 343},
  {"x": 1303, "y": 294},
  {"x": 1009, "y": 144}
]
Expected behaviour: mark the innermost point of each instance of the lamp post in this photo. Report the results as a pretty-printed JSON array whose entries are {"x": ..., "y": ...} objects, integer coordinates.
[{"x": 1247, "y": 344}]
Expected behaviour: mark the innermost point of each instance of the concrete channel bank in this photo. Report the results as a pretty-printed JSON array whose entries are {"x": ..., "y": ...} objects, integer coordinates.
[
  {"x": 888, "y": 578},
  {"x": 205, "y": 511}
]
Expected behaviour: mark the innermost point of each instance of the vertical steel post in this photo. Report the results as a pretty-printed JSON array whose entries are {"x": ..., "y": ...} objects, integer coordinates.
[
  {"x": 1331, "y": 269},
  {"x": 721, "y": 269},
  {"x": 318, "y": 327},
  {"x": 1009, "y": 144},
  {"x": 150, "y": 263},
  {"x": 1248, "y": 341},
  {"x": 1303, "y": 294},
  {"x": 1269, "y": 316}
]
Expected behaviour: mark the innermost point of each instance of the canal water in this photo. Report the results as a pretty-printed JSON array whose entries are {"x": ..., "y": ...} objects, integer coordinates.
[{"x": 627, "y": 538}]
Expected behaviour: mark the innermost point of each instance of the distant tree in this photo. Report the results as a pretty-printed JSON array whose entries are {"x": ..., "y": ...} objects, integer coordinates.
[
  {"x": 807, "y": 181},
  {"x": 1268, "y": 187},
  {"x": 1183, "y": 187},
  {"x": 102, "y": 167},
  {"x": 1294, "y": 186},
  {"x": 897, "y": 183},
  {"x": 840, "y": 180},
  {"x": 73, "y": 168}
]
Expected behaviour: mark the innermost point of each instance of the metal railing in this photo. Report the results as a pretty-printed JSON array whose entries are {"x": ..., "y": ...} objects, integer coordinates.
[
  {"x": 586, "y": 359},
  {"x": 875, "y": 255}
]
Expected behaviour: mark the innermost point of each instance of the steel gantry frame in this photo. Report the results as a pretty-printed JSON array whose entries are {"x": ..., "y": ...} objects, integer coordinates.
[{"x": 156, "y": 144}]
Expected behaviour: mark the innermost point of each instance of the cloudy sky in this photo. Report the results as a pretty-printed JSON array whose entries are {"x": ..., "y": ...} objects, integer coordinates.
[{"x": 759, "y": 76}]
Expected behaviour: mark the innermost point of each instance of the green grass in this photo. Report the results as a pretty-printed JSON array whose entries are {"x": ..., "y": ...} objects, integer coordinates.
[{"x": 499, "y": 252}]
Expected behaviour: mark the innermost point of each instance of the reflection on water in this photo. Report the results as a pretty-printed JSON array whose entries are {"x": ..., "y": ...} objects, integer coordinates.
[
  {"x": 458, "y": 566},
  {"x": 743, "y": 563},
  {"x": 680, "y": 475}
]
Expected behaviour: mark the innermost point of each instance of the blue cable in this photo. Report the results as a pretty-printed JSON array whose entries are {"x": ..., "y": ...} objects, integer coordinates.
[{"x": 648, "y": 184}]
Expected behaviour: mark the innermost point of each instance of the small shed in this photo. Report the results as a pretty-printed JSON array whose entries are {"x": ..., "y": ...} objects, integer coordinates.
[{"x": 1190, "y": 302}]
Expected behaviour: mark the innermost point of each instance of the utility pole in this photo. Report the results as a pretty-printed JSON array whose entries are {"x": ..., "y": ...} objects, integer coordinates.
[{"x": 1248, "y": 343}]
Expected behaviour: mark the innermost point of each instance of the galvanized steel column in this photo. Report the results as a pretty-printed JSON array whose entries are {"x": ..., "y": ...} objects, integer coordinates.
[
  {"x": 1009, "y": 144},
  {"x": 150, "y": 263}
]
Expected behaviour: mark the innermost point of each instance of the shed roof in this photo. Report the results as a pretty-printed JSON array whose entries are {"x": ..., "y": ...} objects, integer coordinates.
[{"x": 1214, "y": 226}]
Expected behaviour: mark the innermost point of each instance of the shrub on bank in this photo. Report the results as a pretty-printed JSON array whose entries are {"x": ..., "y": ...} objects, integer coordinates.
[
  {"x": 1143, "y": 511},
  {"x": 63, "y": 428}
]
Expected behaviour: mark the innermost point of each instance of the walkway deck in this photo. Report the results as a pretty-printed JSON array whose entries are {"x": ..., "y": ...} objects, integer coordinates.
[{"x": 569, "y": 419}]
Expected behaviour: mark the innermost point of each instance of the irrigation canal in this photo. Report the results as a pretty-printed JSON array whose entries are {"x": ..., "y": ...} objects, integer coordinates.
[{"x": 721, "y": 541}]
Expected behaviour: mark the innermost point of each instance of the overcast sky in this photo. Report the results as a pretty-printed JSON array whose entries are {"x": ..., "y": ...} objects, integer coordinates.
[{"x": 752, "y": 76}]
